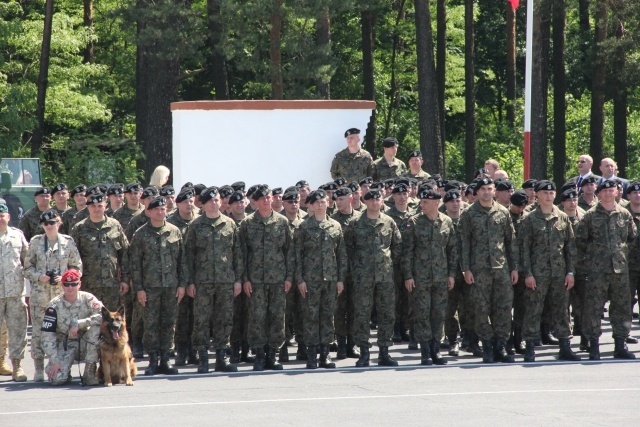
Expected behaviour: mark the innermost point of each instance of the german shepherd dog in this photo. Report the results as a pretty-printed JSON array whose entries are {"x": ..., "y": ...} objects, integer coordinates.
[{"x": 116, "y": 359}]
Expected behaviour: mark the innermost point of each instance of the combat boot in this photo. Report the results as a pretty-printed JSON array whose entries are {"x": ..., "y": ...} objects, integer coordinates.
[
  {"x": 547, "y": 337},
  {"x": 584, "y": 343},
  {"x": 509, "y": 347},
  {"x": 258, "y": 364},
  {"x": 136, "y": 349},
  {"x": 621, "y": 351},
  {"x": 425, "y": 354},
  {"x": 5, "y": 369},
  {"x": 38, "y": 375},
  {"x": 152, "y": 369},
  {"x": 89, "y": 376},
  {"x": 352, "y": 350},
  {"x": 518, "y": 343},
  {"x": 165, "y": 364},
  {"x": 363, "y": 361},
  {"x": 474, "y": 345},
  {"x": 203, "y": 366},
  {"x": 500, "y": 353},
  {"x": 342, "y": 347},
  {"x": 530, "y": 352},
  {"x": 235, "y": 352},
  {"x": 18, "y": 374},
  {"x": 222, "y": 364},
  {"x": 283, "y": 355},
  {"x": 487, "y": 351},
  {"x": 247, "y": 355},
  {"x": 396, "y": 333},
  {"x": 302, "y": 353},
  {"x": 565, "y": 351},
  {"x": 594, "y": 349},
  {"x": 413, "y": 344},
  {"x": 192, "y": 356},
  {"x": 384, "y": 359},
  {"x": 271, "y": 362},
  {"x": 437, "y": 358},
  {"x": 181, "y": 355},
  {"x": 454, "y": 346},
  {"x": 325, "y": 358},
  {"x": 312, "y": 359}
]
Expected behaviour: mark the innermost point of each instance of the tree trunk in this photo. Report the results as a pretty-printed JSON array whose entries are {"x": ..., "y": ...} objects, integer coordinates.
[
  {"x": 397, "y": 44},
  {"x": 141, "y": 80},
  {"x": 217, "y": 60},
  {"x": 88, "y": 23},
  {"x": 43, "y": 80},
  {"x": 511, "y": 64},
  {"x": 585, "y": 40},
  {"x": 430, "y": 143},
  {"x": 620, "y": 108},
  {"x": 539, "y": 90},
  {"x": 596, "y": 128},
  {"x": 469, "y": 92},
  {"x": 275, "y": 51},
  {"x": 559, "y": 92},
  {"x": 323, "y": 37},
  {"x": 441, "y": 66},
  {"x": 368, "y": 22}
]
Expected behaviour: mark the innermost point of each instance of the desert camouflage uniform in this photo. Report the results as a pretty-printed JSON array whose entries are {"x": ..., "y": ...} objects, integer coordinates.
[{"x": 351, "y": 167}]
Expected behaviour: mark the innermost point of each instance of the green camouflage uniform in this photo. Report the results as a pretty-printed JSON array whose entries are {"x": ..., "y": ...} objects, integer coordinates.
[
  {"x": 124, "y": 215},
  {"x": 459, "y": 300},
  {"x": 420, "y": 176},
  {"x": 30, "y": 223},
  {"x": 352, "y": 167},
  {"x": 75, "y": 218},
  {"x": 634, "y": 260},
  {"x": 293, "y": 303},
  {"x": 381, "y": 169},
  {"x": 576, "y": 295},
  {"x": 68, "y": 220},
  {"x": 519, "y": 301},
  {"x": 137, "y": 317},
  {"x": 240, "y": 312},
  {"x": 583, "y": 204}
]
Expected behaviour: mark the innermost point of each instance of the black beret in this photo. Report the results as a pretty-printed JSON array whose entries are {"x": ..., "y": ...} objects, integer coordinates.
[
  {"x": 115, "y": 189},
  {"x": 389, "y": 183},
  {"x": 80, "y": 188},
  {"x": 353, "y": 186},
  {"x": 329, "y": 186},
  {"x": 95, "y": 198},
  {"x": 480, "y": 183},
  {"x": 167, "y": 190},
  {"x": 452, "y": 184},
  {"x": 413, "y": 182},
  {"x": 96, "y": 189},
  {"x": 415, "y": 154},
  {"x": 436, "y": 177},
  {"x": 291, "y": 195},
  {"x": 314, "y": 196},
  {"x": 546, "y": 185},
  {"x": 441, "y": 183},
  {"x": 252, "y": 190},
  {"x": 634, "y": 186},
  {"x": 150, "y": 191},
  {"x": 302, "y": 183},
  {"x": 591, "y": 179},
  {"x": 199, "y": 188},
  {"x": 377, "y": 185},
  {"x": 481, "y": 171},
  {"x": 340, "y": 181},
  {"x": 352, "y": 131},
  {"x": 238, "y": 185},
  {"x": 451, "y": 195},
  {"x": 225, "y": 191},
  {"x": 42, "y": 190},
  {"x": 618, "y": 182},
  {"x": 402, "y": 180},
  {"x": 607, "y": 183},
  {"x": 470, "y": 188},
  {"x": 261, "y": 191},
  {"x": 571, "y": 193},
  {"x": 426, "y": 186},
  {"x": 208, "y": 194},
  {"x": 504, "y": 185},
  {"x": 134, "y": 186},
  {"x": 366, "y": 180},
  {"x": 236, "y": 197},
  {"x": 344, "y": 191},
  {"x": 389, "y": 142},
  {"x": 429, "y": 195},
  {"x": 530, "y": 183},
  {"x": 373, "y": 194},
  {"x": 49, "y": 215},
  {"x": 185, "y": 193},
  {"x": 276, "y": 191},
  {"x": 519, "y": 198},
  {"x": 291, "y": 188},
  {"x": 60, "y": 187},
  {"x": 157, "y": 202},
  {"x": 401, "y": 188},
  {"x": 187, "y": 184},
  {"x": 568, "y": 185}
]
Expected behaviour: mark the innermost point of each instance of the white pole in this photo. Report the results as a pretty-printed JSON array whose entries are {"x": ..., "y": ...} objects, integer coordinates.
[{"x": 527, "y": 91}]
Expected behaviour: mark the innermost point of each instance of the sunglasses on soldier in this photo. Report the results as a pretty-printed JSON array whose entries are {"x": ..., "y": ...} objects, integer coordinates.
[{"x": 72, "y": 284}]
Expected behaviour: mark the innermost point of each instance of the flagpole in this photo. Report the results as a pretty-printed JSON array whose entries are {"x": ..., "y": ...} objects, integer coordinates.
[{"x": 527, "y": 92}]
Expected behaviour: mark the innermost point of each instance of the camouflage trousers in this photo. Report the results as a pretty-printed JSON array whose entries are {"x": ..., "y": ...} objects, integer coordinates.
[
  {"x": 552, "y": 290},
  {"x": 576, "y": 299},
  {"x": 294, "y": 316},
  {"x": 519, "y": 302},
  {"x": 456, "y": 318},
  {"x": 213, "y": 302},
  {"x": 493, "y": 297},
  {"x": 365, "y": 295},
  {"x": 13, "y": 315},
  {"x": 85, "y": 347},
  {"x": 429, "y": 304},
  {"x": 184, "y": 322},
  {"x": 240, "y": 318},
  {"x": 266, "y": 315},
  {"x": 343, "y": 314},
  {"x": 109, "y": 296},
  {"x": 128, "y": 300},
  {"x": 160, "y": 319},
  {"x": 634, "y": 285},
  {"x": 317, "y": 309},
  {"x": 403, "y": 306},
  {"x": 601, "y": 287},
  {"x": 37, "y": 316}
]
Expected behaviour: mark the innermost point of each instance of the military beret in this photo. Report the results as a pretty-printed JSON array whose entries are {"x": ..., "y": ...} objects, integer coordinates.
[
  {"x": 352, "y": 131},
  {"x": 470, "y": 188},
  {"x": 634, "y": 186},
  {"x": 451, "y": 195},
  {"x": 302, "y": 183},
  {"x": 607, "y": 183},
  {"x": 3, "y": 208},
  {"x": 184, "y": 194},
  {"x": 452, "y": 184},
  {"x": 238, "y": 185},
  {"x": 80, "y": 188},
  {"x": 366, "y": 181},
  {"x": 402, "y": 180},
  {"x": 377, "y": 185},
  {"x": 344, "y": 191},
  {"x": 157, "y": 202},
  {"x": 49, "y": 215},
  {"x": 95, "y": 198},
  {"x": 291, "y": 195},
  {"x": 591, "y": 179},
  {"x": 208, "y": 194},
  {"x": 504, "y": 185},
  {"x": 291, "y": 188},
  {"x": 389, "y": 183},
  {"x": 150, "y": 191},
  {"x": 225, "y": 191},
  {"x": 618, "y": 182},
  {"x": 481, "y": 171},
  {"x": 252, "y": 190},
  {"x": 426, "y": 186},
  {"x": 413, "y": 182},
  {"x": 436, "y": 177},
  {"x": 261, "y": 191},
  {"x": 134, "y": 186},
  {"x": 373, "y": 194},
  {"x": 115, "y": 189},
  {"x": 187, "y": 184},
  {"x": 429, "y": 195},
  {"x": 389, "y": 142},
  {"x": 71, "y": 276},
  {"x": 314, "y": 196},
  {"x": 276, "y": 191},
  {"x": 101, "y": 187},
  {"x": 400, "y": 189},
  {"x": 519, "y": 198},
  {"x": 530, "y": 183},
  {"x": 545, "y": 185},
  {"x": 167, "y": 190},
  {"x": 415, "y": 154},
  {"x": 441, "y": 183},
  {"x": 353, "y": 186},
  {"x": 480, "y": 183},
  {"x": 571, "y": 193},
  {"x": 42, "y": 190},
  {"x": 199, "y": 188},
  {"x": 329, "y": 186},
  {"x": 236, "y": 197},
  {"x": 60, "y": 187},
  {"x": 568, "y": 185},
  {"x": 340, "y": 181}
]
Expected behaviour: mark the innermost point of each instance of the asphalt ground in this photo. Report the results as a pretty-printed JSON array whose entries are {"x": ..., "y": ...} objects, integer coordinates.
[{"x": 464, "y": 392}]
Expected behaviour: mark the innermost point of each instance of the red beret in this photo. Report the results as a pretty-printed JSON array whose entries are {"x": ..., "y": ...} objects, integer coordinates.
[{"x": 71, "y": 276}]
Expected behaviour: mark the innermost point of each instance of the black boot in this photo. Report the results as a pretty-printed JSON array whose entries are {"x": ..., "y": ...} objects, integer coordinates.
[
  {"x": 565, "y": 351},
  {"x": 342, "y": 347},
  {"x": 152, "y": 369},
  {"x": 181, "y": 355},
  {"x": 192, "y": 356},
  {"x": 500, "y": 353},
  {"x": 396, "y": 333},
  {"x": 509, "y": 347},
  {"x": 222, "y": 364},
  {"x": 413, "y": 344},
  {"x": 487, "y": 351},
  {"x": 474, "y": 345},
  {"x": 620, "y": 350},
  {"x": 236, "y": 347},
  {"x": 547, "y": 337},
  {"x": 312, "y": 357},
  {"x": 325, "y": 358},
  {"x": 437, "y": 358},
  {"x": 203, "y": 365},
  {"x": 352, "y": 350},
  {"x": 363, "y": 361},
  {"x": 283, "y": 356},
  {"x": 247, "y": 355},
  {"x": 136, "y": 349},
  {"x": 165, "y": 364},
  {"x": 584, "y": 343},
  {"x": 518, "y": 344},
  {"x": 384, "y": 359},
  {"x": 270, "y": 361},
  {"x": 530, "y": 352},
  {"x": 258, "y": 364},
  {"x": 594, "y": 349},
  {"x": 454, "y": 346},
  {"x": 425, "y": 354},
  {"x": 302, "y": 353}
]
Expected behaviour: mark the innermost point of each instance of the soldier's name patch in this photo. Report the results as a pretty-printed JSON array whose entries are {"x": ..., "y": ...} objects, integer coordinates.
[{"x": 50, "y": 320}]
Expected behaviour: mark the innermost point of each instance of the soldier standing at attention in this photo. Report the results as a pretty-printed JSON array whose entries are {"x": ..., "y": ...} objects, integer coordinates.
[
  {"x": 388, "y": 166},
  {"x": 353, "y": 162},
  {"x": 237, "y": 205},
  {"x": 60, "y": 195},
  {"x": 158, "y": 273},
  {"x": 634, "y": 251},
  {"x": 588, "y": 188},
  {"x": 266, "y": 271},
  {"x": 137, "y": 221},
  {"x": 305, "y": 190},
  {"x": 604, "y": 234},
  {"x": 489, "y": 262},
  {"x": 519, "y": 202},
  {"x": 30, "y": 222},
  {"x": 374, "y": 241},
  {"x": 69, "y": 217},
  {"x": 169, "y": 194},
  {"x": 132, "y": 207},
  {"x": 415, "y": 166},
  {"x": 115, "y": 196}
]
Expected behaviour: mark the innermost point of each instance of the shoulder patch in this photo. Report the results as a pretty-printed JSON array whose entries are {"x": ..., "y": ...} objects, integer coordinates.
[
  {"x": 50, "y": 320},
  {"x": 95, "y": 305}
]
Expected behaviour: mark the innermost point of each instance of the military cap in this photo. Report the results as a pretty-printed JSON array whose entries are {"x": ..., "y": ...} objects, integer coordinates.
[
  {"x": 607, "y": 183},
  {"x": 530, "y": 183},
  {"x": 49, "y": 215},
  {"x": 618, "y": 182},
  {"x": 290, "y": 194},
  {"x": 591, "y": 179},
  {"x": 402, "y": 180},
  {"x": 115, "y": 189},
  {"x": 157, "y": 202},
  {"x": 95, "y": 198},
  {"x": 401, "y": 188},
  {"x": 208, "y": 194},
  {"x": 60, "y": 187},
  {"x": 436, "y": 177},
  {"x": 389, "y": 142},
  {"x": 71, "y": 276},
  {"x": 167, "y": 190},
  {"x": 261, "y": 191},
  {"x": 389, "y": 183},
  {"x": 377, "y": 185},
  {"x": 634, "y": 186},
  {"x": 352, "y": 131},
  {"x": 571, "y": 193},
  {"x": 236, "y": 197},
  {"x": 519, "y": 198},
  {"x": 429, "y": 195},
  {"x": 546, "y": 185},
  {"x": 187, "y": 184},
  {"x": 441, "y": 183},
  {"x": 199, "y": 188},
  {"x": 302, "y": 183},
  {"x": 504, "y": 185},
  {"x": 366, "y": 180},
  {"x": 314, "y": 196},
  {"x": 134, "y": 186},
  {"x": 4, "y": 208},
  {"x": 252, "y": 190},
  {"x": 42, "y": 190},
  {"x": 413, "y": 182},
  {"x": 276, "y": 191},
  {"x": 568, "y": 185},
  {"x": 373, "y": 194},
  {"x": 329, "y": 186},
  {"x": 415, "y": 154},
  {"x": 184, "y": 194},
  {"x": 80, "y": 188},
  {"x": 426, "y": 185},
  {"x": 340, "y": 181},
  {"x": 470, "y": 188},
  {"x": 225, "y": 191},
  {"x": 353, "y": 186},
  {"x": 150, "y": 191},
  {"x": 451, "y": 195},
  {"x": 95, "y": 189},
  {"x": 480, "y": 183},
  {"x": 452, "y": 184},
  {"x": 344, "y": 191},
  {"x": 481, "y": 171},
  {"x": 238, "y": 185}
]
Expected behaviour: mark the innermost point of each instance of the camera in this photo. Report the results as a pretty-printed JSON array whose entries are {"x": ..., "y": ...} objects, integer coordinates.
[{"x": 53, "y": 273}]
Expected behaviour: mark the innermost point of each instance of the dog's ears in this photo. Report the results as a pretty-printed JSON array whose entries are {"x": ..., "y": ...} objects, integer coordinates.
[
  {"x": 121, "y": 310},
  {"x": 105, "y": 313}
]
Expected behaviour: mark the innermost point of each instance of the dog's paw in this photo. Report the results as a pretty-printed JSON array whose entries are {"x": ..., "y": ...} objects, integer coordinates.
[
  {"x": 108, "y": 384},
  {"x": 130, "y": 382}
]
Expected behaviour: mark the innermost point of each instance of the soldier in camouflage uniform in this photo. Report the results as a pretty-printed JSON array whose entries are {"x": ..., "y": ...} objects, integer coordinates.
[
  {"x": 49, "y": 255},
  {"x": 356, "y": 195},
  {"x": 489, "y": 261},
  {"x": 588, "y": 198},
  {"x": 212, "y": 254},
  {"x": 304, "y": 189},
  {"x": 604, "y": 234},
  {"x": 13, "y": 311},
  {"x": 633, "y": 193},
  {"x": 388, "y": 166},
  {"x": 548, "y": 256},
  {"x": 115, "y": 194},
  {"x": 132, "y": 207},
  {"x": 169, "y": 194},
  {"x": 321, "y": 263},
  {"x": 69, "y": 217},
  {"x": 30, "y": 222},
  {"x": 137, "y": 221},
  {"x": 430, "y": 264},
  {"x": 415, "y": 166},
  {"x": 519, "y": 201},
  {"x": 373, "y": 240},
  {"x": 159, "y": 273},
  {"x": 60, "y": 195},
  {"x": 267, "y": 253},
  {"x": 353, "y": 162}
]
